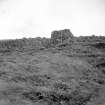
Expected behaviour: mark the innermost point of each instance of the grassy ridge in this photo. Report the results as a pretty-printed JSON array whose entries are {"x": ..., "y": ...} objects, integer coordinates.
[{"x": 36, "y": 71}]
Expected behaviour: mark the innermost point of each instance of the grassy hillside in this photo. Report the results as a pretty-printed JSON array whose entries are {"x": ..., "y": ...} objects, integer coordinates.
[{"x": 57, "y": 71}]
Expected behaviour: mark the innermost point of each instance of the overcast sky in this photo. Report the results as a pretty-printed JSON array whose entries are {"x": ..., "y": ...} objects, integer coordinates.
[{"x": 32, "y": 18}]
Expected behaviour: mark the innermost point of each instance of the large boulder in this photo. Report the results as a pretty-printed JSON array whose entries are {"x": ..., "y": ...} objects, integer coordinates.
[{"x": 60, "y": 36}]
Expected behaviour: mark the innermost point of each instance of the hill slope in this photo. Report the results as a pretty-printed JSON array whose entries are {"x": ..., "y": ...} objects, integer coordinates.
[{"x": 66, "y": 73}]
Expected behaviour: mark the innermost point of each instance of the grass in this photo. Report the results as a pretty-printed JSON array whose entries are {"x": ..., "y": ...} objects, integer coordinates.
[{"x": 67, "y": 74}]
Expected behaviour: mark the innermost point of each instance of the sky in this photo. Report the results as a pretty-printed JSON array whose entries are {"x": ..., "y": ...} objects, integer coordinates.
[{"x": 38, "y": 18}]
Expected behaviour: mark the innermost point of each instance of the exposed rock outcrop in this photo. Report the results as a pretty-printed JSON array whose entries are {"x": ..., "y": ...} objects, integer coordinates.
[{"x": 60, "y": 36}]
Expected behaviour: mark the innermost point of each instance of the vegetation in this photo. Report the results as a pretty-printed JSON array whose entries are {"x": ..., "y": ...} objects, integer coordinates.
[{"x": 61, "y": 70}]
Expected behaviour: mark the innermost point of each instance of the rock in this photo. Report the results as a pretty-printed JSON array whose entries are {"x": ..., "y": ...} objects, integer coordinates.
[{"x": 60, "y": 36}]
